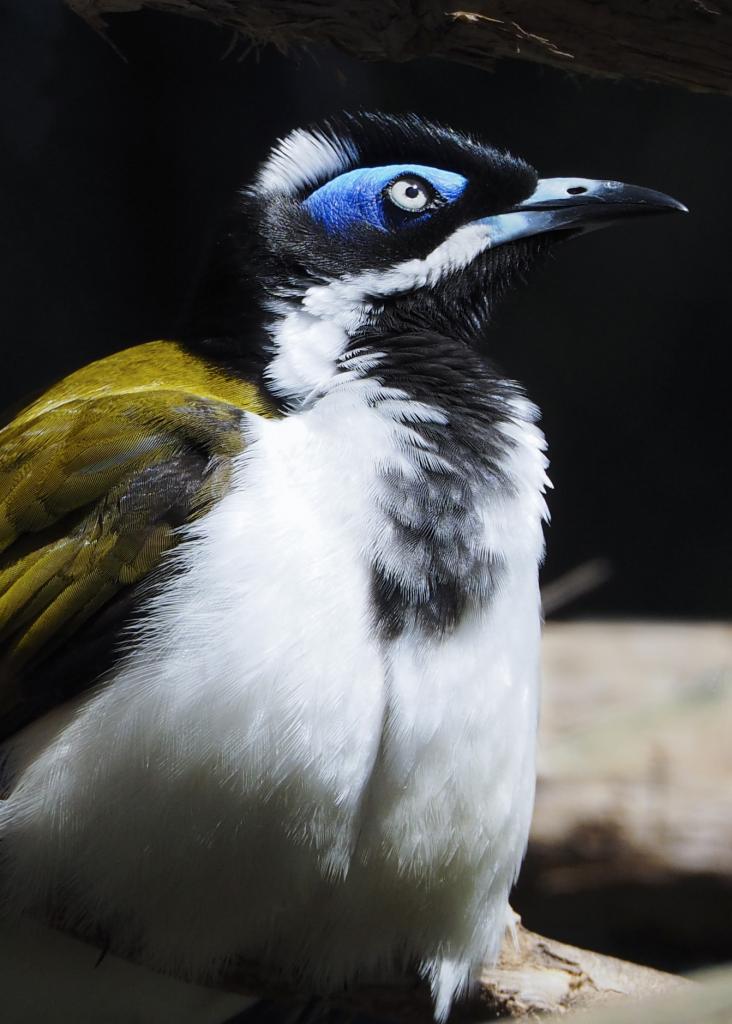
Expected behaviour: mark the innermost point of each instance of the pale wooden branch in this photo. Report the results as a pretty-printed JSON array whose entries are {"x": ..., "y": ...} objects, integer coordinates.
[
  {"x": 708, "y": 1002},
  {"x": 686, "y": 43},
  {"x": 539, "y": 975}
]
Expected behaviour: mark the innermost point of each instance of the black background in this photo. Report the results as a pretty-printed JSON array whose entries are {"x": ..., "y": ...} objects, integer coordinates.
[{"x": 115, "y": 172}]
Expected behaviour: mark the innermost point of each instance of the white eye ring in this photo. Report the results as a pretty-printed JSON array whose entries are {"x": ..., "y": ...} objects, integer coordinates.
[{"x": 409, "y": 194}]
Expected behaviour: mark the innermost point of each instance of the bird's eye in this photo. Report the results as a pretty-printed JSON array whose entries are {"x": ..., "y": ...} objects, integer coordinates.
[{"x": 411, "y": 194}]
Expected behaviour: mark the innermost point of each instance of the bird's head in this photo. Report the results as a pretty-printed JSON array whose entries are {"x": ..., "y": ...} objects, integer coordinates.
[{"x": 371, "y": 225}]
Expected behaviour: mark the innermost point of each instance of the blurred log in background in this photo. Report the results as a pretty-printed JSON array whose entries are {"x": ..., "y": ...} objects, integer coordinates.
[{"x": 631, "y": 844}]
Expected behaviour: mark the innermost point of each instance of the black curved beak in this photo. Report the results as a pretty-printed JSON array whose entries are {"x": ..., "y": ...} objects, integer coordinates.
[{"x": 576, "y": 205}]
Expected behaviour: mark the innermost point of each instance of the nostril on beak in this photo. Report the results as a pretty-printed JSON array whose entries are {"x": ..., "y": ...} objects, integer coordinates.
[{"x": 577, "y": 190}]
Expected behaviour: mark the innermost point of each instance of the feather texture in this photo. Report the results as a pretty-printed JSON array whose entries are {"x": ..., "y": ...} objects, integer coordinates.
[
  {"x": 271, "y": 775},
  {"x": 96, "y": 477}
]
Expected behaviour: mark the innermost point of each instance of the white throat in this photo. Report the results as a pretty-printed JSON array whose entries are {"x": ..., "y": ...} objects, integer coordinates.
[{"x": 311, "y": 334}]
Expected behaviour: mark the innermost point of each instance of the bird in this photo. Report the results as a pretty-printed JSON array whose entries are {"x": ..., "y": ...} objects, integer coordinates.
[{"x": 269, "y": 601}]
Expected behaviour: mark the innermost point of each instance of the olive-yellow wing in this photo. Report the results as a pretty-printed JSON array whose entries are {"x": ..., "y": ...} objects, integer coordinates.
[{"x": 96, "y": 477}]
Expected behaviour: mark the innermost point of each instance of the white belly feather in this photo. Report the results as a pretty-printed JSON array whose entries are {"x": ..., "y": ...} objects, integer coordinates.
[{"x": 265, "y": 777}]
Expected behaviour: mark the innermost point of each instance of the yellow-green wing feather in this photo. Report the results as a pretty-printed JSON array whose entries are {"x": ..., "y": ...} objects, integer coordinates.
[{"x": 96, "y": 477}]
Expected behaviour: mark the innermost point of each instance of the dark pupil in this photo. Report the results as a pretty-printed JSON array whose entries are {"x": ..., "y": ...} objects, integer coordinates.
[{"x": 412, "y": 191}]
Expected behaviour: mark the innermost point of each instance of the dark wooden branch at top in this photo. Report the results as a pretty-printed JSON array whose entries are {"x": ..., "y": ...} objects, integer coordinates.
[{"x": 684, "y": 43}]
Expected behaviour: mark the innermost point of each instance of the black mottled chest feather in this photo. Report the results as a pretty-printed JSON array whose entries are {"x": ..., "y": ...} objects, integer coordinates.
[{"x": 438, "y": 566}]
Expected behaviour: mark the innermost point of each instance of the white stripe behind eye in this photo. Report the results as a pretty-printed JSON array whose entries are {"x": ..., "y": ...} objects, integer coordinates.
[
  {"x": 345, "y": 299},
  {"x": 304, "y": 158}
]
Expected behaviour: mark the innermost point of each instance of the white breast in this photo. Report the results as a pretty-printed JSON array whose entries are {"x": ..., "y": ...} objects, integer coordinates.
[{"x": 263, "y": 776}]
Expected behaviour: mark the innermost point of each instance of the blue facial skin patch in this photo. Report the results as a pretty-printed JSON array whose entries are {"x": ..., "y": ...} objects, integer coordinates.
[{"x": 357, "y": 197}]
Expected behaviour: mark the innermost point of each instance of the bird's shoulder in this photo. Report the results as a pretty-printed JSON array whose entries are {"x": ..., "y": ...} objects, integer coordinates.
[{"x": 97, "y": 475}]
